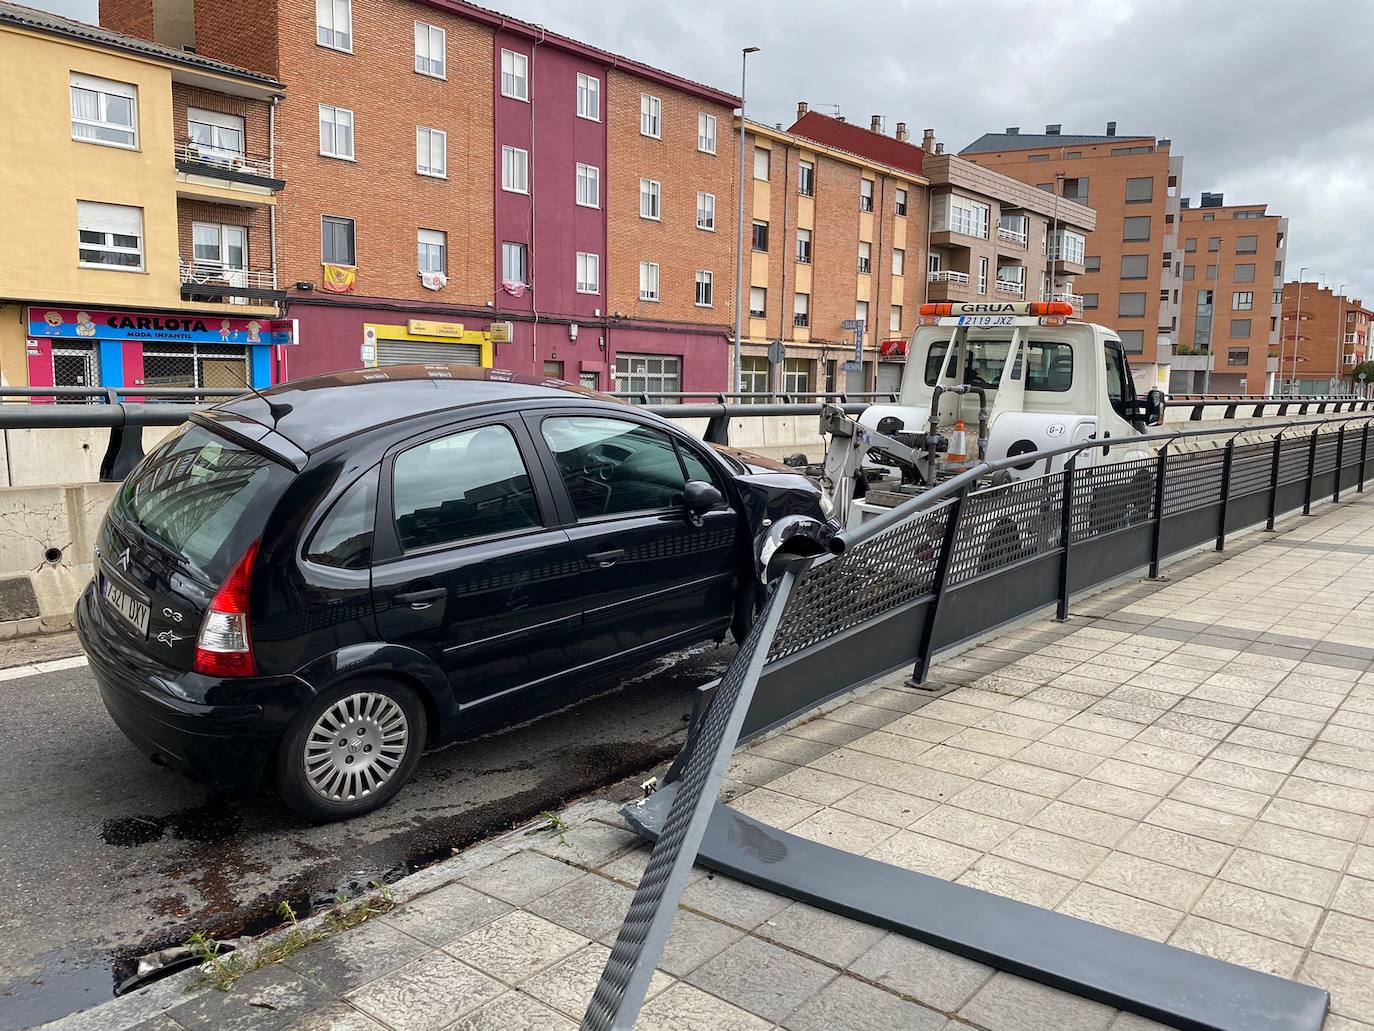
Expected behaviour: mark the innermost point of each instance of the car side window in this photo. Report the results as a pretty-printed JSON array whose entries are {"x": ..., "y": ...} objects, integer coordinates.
[
  {"x": 1116, "y": 376},
  {"x": 460, "y": 487},
  {"x": 696, "y": 468},
  {"x": 612, "y": 467},
  {"x": 344, "y": 536}
]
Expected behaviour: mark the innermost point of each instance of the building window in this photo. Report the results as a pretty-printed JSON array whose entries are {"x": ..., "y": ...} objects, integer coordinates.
[
  {"x": 1278, "y": 269},
  {"x": 968, "y": 217},
  {"x": 1090, "y": 300},
  {"x": 104, "y": 112},
  {"x": 934, "y": 262},
  {"x": 865, "y": 257},
  {"x": 515, "y": 170},
  {"x": 648, "y": 373},
  {"x": 796, "y": 375},
  {"x": 431, "y": 152},
  {"x": 761, "y": 163},
  {"x": 1240, "y": 329},
  {"x": 1136, "y": 227},
  {"x": 899, "y": 202},
  {"x": 650, "y": 199},
  {"x": 648, "y": 281},
  {"x": 334, "y": 24},
  {"x": 758, "y": 302},
  {"x": 219, "y": 246},
  {"x": 1135, "y": 266},
  {"x": 1138, "y": 191},
  {"x": 982, "y": 275},
  {"x": 1131, "y": 305},
  {"x": 1190, "y": 245},
  {"x": 806, "y": 179},
  {"x": 753, "y": 375},
  {"x": 706, "y": 133},
  {"x": 804, "y": 246},
  {"x": 1214, "y": 244},
  {"x": 760, "y": 236},
  {"x": 109, "y": 236},
  {"x": 1211, "y": 273},
  {"x": 1247, "y": 244},
  {"x": 650, "y": 116},
  {"x": 214, "y": 135},
  {"x": 1189, "y": 273},
  {"x": 1278, "y": 297},
  {"x": 705, "y": 290},
  {"x": 894, "y": 319},
  {"x": 588, "y": 273},
  {"x": 553, "y": 370},
  {"x": 1242, "y": 300},
  {"x": 1132, "y": 340},
  {"x": 1092, "y": 263},
  {"x": 433, "y": 248},
  {"x": 865, "y": 194},
  {"x": 1244, "y": 273},
  {"x": 515, "y": 263},
  {"x": 589, "y": 186},
  {"x": 588, "y": 97},
  {"x": 515, "y": 75},
  {"x": 336, "y": 132},
  {"x": 706, "y": 212},
  {"x": 1076, "y": 189},
  {"x": 861, "y": 313},
  {"x": 1066, "y": 245},
  {"x": 801, "y": 310},
  {"x": 337, "y": 246},
  {"x": 430, "y": 49},
  {"x": 1238, "y": 356},
  {"x": 898, "y": 261}
]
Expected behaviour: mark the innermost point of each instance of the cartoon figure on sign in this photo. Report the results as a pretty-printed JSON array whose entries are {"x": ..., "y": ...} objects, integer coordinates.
[
  {"x": 84, "y": 326},
  {"x": 224, "y": 331},
  {"x": 254, "y": 337},
  {"x": 54, "y": 321}
]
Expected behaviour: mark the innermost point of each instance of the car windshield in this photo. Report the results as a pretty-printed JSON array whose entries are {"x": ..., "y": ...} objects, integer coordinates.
[
  {"x": 1051, "y": 362},
  {"x": 201, "y": 497}
]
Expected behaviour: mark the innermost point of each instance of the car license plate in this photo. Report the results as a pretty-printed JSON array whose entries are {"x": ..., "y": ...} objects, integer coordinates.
[
  {"x": 986, "y": 320},
  {"x": 131, "y": 607}
]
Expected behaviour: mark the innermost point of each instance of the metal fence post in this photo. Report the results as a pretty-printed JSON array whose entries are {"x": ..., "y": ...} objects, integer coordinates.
[
  {"x": 1364, "y": 451},
  {"x": 1066, "y": 530},
  {"x": 1274, "y": 481},
  {"x": 1340, "y": 459},
  {"x": 1226, "y": 464},
  {"x": 1311, "y": 471},
  {"x": 927, "y": 644},
  {"x": 1156, "y": 532}
]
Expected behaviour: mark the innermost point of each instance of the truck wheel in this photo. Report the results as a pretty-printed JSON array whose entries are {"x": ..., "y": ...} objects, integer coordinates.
[{"x": 351, "y": 749}]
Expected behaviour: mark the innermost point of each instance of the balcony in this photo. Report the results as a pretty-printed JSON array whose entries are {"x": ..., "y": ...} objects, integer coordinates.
[
  {"x": 201, "y": 163},
  {"x": 217, "y": 283},
  {"x": 1013, "y": 236},
  {"x": 1008, "y": 288},
  {"x": 947, "y": 285},
  {"x": 1059, "y": 295},
  {"x": 1182, "y": 362}
]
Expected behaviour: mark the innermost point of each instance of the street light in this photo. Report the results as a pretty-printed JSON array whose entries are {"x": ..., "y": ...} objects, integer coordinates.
[
  {"x": 739, "y": 221},
  {"x": 1340, "y": 334}
]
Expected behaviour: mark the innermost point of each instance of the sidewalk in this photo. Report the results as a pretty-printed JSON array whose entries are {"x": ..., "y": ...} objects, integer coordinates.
[{"x": 1190, "y": 760}]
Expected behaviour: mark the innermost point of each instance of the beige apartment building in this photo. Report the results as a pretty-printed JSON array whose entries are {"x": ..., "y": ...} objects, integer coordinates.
[
  {"x": 1132, "y": 182},
  {"x": 1230, "y": 297}
]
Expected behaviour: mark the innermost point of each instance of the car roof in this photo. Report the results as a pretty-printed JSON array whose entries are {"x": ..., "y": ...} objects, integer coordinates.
[{"x": 313, "y": 413}]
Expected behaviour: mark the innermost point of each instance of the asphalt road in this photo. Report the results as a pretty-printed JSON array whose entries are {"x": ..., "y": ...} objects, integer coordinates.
[{"x": 104, "y": 857}]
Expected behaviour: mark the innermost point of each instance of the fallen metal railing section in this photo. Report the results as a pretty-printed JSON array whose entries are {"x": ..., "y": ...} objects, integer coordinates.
[{"x": 917, "y": 582}]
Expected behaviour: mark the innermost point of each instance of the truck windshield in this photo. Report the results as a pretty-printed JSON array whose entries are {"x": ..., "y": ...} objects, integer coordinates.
[{"x": 1051, "y": 362}]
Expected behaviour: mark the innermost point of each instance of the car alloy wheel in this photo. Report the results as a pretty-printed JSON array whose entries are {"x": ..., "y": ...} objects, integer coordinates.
[{"x": 355, "y": 746}]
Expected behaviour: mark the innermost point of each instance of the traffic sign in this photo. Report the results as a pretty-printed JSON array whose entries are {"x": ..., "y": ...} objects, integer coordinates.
[
  {"x": 852, "y": 324},
  {"x": 776, "y": 352}
]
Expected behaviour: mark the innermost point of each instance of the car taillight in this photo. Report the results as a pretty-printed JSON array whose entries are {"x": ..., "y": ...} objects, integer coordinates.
[{"x": 223, "y": 647}]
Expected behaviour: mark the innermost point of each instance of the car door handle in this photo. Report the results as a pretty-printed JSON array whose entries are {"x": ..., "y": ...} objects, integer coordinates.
[
  {"x": 421, "y": 599},
  {"x": 606, "y": 559}
]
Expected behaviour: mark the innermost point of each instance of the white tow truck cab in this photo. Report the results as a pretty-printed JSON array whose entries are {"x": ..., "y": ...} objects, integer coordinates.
[{"x": 985, "y": 381}]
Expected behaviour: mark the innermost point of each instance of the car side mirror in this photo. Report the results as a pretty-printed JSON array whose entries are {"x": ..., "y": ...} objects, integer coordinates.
[
  {"x": 1154, "y": 408},
  {"x": 700, "y": 497}
]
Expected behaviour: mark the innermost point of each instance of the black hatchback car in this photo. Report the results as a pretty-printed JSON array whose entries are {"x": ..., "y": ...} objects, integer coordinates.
[{"x": 316, "y": 583}]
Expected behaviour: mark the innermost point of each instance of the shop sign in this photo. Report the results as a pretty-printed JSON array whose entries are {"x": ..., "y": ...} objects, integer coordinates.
[
  {"x": 164, "y": 327},
  {"x": 425, "y": 328}
]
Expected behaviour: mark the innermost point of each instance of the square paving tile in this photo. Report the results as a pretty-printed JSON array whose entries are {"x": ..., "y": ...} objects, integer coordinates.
[
  {"x": 844, "y": 830},
  {"x": 1284, "y": 877},
  {"x": 1053, "y": 852},
  {"x": 349, "y": 960},
  {"x": 815, "y": 932},
  {"x": 762, "y": 978},
  {"x": 1010, "y": 1003},
  {"x": 516, "y": 945},
  {"x": 929, "y": 975},
  {"x": 568, "y": 985},
  {"x": 265, "y": 1000},
  {"x": 591, "y": 906},
  {"x": 1018, "y": 881},
  {"x": 426, "y": 995},
  {"x": 847, "y": 1004},
  {"x": 925, "y": 855},
  {"x": 522, "y": 877},
  {"x": 1347, "y": 937},
  {"x": 1234, "y": 945},
  {"x": 732, "y": 901},
  {"x": 1263, "y": 913},
  {"x": 682, "y": 1006},
  {"x": 514, "y": 1012},
  {"x": 962, "y": 827},
  {"x": 693, "y": 940},
  {"x": 446, "y": 914},
  {"x": 1123, "y": 912},
  {"x": 885, "y": 805}
]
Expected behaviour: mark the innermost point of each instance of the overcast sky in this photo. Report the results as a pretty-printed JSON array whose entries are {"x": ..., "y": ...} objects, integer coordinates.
[{"x": 1267, "y": 102}]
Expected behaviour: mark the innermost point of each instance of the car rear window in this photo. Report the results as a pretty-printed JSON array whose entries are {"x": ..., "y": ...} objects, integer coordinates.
[{"x": 202, "y": 497}]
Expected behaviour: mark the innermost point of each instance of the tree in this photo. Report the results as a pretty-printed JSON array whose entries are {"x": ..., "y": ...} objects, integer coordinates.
[{"x": 1364, "y": 367}]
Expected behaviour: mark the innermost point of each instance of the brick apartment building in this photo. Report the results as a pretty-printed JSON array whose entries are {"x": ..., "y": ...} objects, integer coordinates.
[
  {"x": 1230, "y": 297},
  {"x": 1328, "y": 333},
  {"x": 453, "y": 169},
  {"x": 1132, "y": 182}
]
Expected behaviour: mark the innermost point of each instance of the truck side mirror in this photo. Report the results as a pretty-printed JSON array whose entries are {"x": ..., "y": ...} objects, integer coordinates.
[{"x": 1154, "y": 408}]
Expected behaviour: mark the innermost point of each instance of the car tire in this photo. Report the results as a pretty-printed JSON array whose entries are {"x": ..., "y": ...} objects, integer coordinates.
[{"x": 351, "y": 749}]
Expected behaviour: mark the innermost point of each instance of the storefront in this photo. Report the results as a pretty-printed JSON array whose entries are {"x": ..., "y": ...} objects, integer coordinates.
[
  {"x": 423, "y": 341},
  {"x": 891, "y": 365},
  {"x": 113, "y": 348}
]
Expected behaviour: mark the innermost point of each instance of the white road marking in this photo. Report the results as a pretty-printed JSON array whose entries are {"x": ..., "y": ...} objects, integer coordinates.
[{"x": 37, "y": 668}]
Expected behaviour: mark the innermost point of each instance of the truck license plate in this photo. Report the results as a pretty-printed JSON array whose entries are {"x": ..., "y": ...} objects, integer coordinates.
[
  {"x": 133, "y": 609},
  {"x": 986, "y": 320}
]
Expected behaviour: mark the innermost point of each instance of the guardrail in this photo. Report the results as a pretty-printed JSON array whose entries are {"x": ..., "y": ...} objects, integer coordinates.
[
  {"x": 920, "y": 580},
  {"x": 1267, "y": 407}
]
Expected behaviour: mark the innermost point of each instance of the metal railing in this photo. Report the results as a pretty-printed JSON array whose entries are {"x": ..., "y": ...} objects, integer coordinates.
[
  {"x": 1061, "y": 295},
  {"x": 926, "y": 577},
  {"x": 1011, "y": 235},
  {"x": 1243, "y": 407},
  {"x": 1003, "y": 286},
  {"x": 217, "y": 158},
  {"x": 218, "y": 274},
  {"x": 947, "y": 276}
]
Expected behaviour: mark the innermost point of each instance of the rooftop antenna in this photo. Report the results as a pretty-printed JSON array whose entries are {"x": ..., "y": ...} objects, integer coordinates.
[{"x": 834, "y": 109}]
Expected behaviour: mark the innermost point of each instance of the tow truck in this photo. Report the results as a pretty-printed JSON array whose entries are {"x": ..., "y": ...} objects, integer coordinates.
[{"x": 985, "y": 381}]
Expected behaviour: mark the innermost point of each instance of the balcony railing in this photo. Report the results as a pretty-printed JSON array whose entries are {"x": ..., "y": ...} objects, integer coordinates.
[
  {"x": 219, "y": 159},
  {"x": 1003, "y": 286},
  {"x": 947, "y": 276},
  {"x": 1075, "y": 299},
  {"x": 801, "y": 319},
  {"x": 1350, "y": 359},
  {"x": 212, "y": 280},
  {"x": 1011, "y": 235}
]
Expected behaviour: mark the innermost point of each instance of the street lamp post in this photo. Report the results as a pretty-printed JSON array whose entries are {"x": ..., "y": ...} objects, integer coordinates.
[
  {"x": 1297, "y": 321},
  {"x": 735, "y": 377},
  {"x": 1340, "y": 334}
]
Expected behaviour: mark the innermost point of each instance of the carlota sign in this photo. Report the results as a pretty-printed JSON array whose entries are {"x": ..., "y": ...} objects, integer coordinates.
[{"x": 98, "y": 324}]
